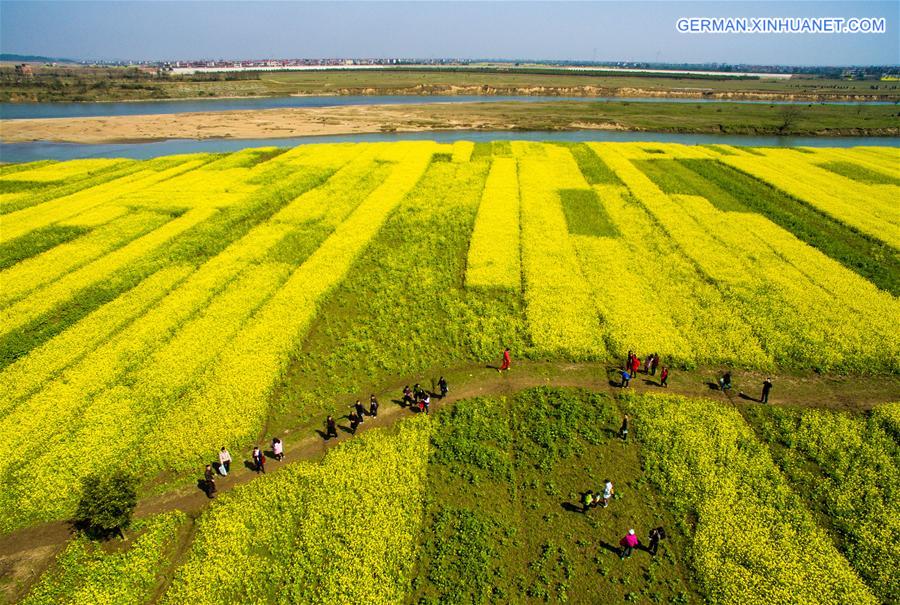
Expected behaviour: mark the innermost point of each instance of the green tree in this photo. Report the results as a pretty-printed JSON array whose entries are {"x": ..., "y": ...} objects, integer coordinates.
[{"x": 107, "y": 503}]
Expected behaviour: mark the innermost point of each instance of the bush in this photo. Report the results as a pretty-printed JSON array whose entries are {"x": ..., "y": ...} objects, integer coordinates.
[{"x": 107, "y": 503}]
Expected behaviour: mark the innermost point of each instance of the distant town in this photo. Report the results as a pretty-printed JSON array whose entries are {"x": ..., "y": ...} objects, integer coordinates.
[{"x": 201, "y": 66}]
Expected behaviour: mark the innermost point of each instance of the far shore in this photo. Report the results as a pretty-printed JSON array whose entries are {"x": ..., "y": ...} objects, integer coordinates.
[{"x": 832, "y": 120}]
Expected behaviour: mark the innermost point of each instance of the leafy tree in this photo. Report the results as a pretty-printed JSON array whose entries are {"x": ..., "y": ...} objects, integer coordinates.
[{"x": 107, "y": 503}]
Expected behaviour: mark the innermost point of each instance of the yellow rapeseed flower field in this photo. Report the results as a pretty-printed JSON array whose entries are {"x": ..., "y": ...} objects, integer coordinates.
[{"x": 175, "y": 293}]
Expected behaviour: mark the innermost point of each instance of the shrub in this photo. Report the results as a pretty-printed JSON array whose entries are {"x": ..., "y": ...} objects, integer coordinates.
[{"x": 106, "y": 504}]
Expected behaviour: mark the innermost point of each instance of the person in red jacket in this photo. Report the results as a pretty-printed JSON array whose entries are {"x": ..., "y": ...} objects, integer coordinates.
[
  {"x": 664, "y": 377},
  {"x": 628, "y": 544},
  {"x": 505, "y": 364},
  {"x": 635, "y": 365}
]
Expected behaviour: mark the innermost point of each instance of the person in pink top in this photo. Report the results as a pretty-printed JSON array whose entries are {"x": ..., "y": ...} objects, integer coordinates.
[{"x": 628, "y": 543}]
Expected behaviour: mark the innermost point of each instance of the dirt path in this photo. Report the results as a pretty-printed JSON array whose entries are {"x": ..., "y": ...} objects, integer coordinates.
[{"x": 25, "y": 553}]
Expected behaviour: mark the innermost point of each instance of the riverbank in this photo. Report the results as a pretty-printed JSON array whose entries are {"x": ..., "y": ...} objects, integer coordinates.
[
  {"x": 63, "y": 85},
  {"x": 699, "y": 118}
]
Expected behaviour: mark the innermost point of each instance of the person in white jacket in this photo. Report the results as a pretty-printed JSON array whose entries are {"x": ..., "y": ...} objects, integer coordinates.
[{"x": 224, "y": 462}]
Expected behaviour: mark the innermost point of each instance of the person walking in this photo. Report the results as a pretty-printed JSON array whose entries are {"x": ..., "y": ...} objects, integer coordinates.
[
  {"x": 628, "y": 544},
  {"x": 426, "y": 401},
  {"x": 635, "y": 365},
  {"x": 408, "y": 397},
  {"x": 506, "y": 361},
  {"x": 209, "y": 484},
  {"x": 608, "y": 492},
  {"x": 224, "y": 462},
  {"x": 354, "y": 421},
  {"x": 725, "y": 381},
  {"x": 664, "y": 377},
  {"x": 626, "y": 378},
  {"x": 277, "y": 449},
  {"x": 623, "y": 430},
  {"x": 259, "y": 461},
  {"x": 330, "y": 428},
  {"x": 373, "y": 406},
  {"x": 767, "y": 386},
  {"x": 587, "y": 501},
  {"x": 360, "y": 411},
  {"x": 629, "y": 361},
  {"x": 443, "y": 386},
  {"x": 656, "y": 534},
  {"x": 654, "y": 362}
]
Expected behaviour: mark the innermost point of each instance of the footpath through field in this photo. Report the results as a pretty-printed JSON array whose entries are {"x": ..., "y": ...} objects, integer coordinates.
[{"x": 26, "y": 552}]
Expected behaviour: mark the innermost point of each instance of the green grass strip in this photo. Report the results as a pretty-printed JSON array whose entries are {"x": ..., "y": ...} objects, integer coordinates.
[
  {"x": 39, "y": 240},
  {"x": 860, "y": 174},
  {"x": 585, "y": 214}
]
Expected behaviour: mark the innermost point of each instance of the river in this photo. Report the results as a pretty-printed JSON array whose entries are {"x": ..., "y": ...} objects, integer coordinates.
[
  {"x": 22, "y": 111},
  {"x": 44, "y": 150}
]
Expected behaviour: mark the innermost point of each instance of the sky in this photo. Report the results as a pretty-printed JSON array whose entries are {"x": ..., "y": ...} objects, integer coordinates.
[{"x": 552, "y": 30}]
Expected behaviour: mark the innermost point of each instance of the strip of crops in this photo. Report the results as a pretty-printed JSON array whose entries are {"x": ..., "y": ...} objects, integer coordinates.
[
  {"x": 870, "y": 258},
  {"x": 862, "y": 164},
  {"x": 84, "y": 573},
  {"x": 494, "y": 251},
  {"x": 621, "y": 290},
  {"x": 848, "y": 469},
  {"x": 53, "y": 265},
  {"x": 417, "y": 315},
  {"x": 872, "y": 209},
  {"x": 298, "y": 172},
  {"x": 824, "y": 297},
  {"x": 654, "y": 298},
  {"x": 16, "y": 224},
  {"x": 150, "y": 393},
  {"x": 30, "y": 372},
  {"x": 764, "y": 271},
  {"x": 343, "y": 531},
  {"x": 62, "y": 290},
  {"x": 24, "y": 188},
  {"x": 561, "y": 316},
  {"x": 754, "y": 541}
]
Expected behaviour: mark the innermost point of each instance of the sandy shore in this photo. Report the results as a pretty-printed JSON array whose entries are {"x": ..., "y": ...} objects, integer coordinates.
[
  {"x": 361, "y": 119},
  {"x": 250, "y": 124}
]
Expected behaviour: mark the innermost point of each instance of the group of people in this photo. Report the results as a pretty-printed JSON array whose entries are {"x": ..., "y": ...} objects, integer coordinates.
[
  {"x": 416, "y": 398},
  {"x": 633, "y": 365},
  {"x": 257, "y": 462},
  {"x": 630, "y": 541},
  {"x": 356, "y": 417},
  {"x": 592, "y": 500}
]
